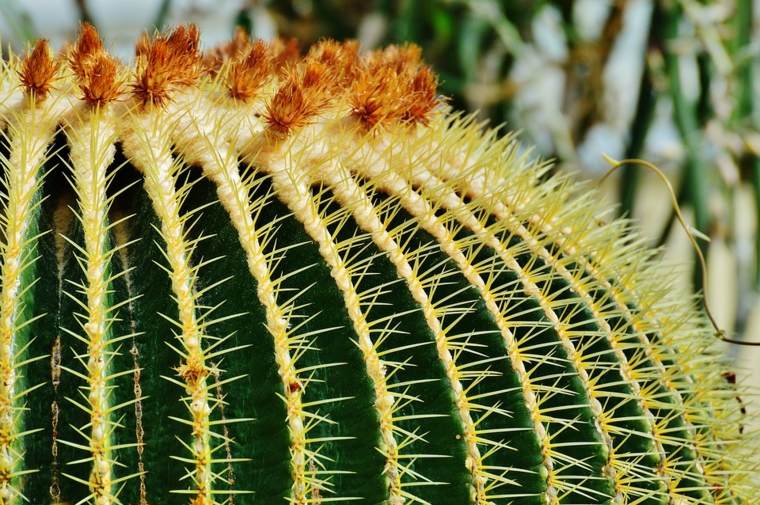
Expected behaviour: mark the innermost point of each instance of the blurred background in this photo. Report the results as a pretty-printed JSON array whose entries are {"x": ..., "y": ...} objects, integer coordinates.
[{"x": 675, "y": 82}]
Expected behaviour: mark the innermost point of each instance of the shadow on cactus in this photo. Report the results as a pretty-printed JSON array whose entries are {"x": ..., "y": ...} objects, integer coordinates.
[{"x": 255, "y": 276}]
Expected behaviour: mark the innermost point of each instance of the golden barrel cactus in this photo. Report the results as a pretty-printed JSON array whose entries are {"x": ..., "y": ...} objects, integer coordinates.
[{"x": 257, "y": 276}]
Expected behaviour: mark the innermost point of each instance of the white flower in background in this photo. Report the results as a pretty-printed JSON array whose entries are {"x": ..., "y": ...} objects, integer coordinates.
[
  {"x": 540, "y": 84},
  {"x": 589, "y": 17},
  {"x": 622, "y": 84}
]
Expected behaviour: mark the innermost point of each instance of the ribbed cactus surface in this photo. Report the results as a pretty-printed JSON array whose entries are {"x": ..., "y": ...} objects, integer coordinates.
[{"x": 256, "y": 276}]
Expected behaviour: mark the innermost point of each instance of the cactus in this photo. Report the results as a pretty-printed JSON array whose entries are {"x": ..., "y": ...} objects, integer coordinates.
[{"x": 253, "y": 276}]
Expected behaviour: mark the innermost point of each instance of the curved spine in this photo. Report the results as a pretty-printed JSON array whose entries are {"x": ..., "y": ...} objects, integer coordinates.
[
  {"x": 442, "y": 194},
  {"x": 480, "y": 184},
  {"x": 353, "y": 197},
  {"x": 420, "y": 208}
]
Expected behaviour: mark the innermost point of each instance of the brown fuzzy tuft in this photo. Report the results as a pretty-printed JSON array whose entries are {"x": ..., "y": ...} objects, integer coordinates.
[
  {"x": 142, "y": 46},
  {"x": 95, "y": 69},
  {"x": 377, "y": 96},
  {"x": 88, "y": 44},
  {"x": 286, "y": 53},
  {"x": 401, "y": 59},
  {"x": 342, "y": 60},
  {"x": 166, "y": 64},
  {"x": 235, "y": 48},
  {"x": 249, "y": 72},
  {"x": 315, "y": 75},
  {"x": 298, "y": 100},
  {"x": 393, "y": 85},
  {"x": 421, "y": 98},
  {"x": 99, "y": 82},
  {"x": 38, "y": 70}
]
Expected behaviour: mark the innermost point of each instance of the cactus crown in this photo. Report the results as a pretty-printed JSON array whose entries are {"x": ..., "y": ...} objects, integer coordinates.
[{"x": 252, "y": 276}]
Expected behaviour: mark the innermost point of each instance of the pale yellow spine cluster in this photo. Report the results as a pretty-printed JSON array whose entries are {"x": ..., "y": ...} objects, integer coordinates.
[
  {"x": 680, "y": 383},
  {"x": 375, "y": 166},
  {"x": 353, "y": 197},
  {"x": 292, "y": 186},
  {"x": 679, "y": 392},
  {"x": 11, "y": 94},
  {"x": 231, "y": 192},
  {"x": 32, "y": 129},
  {"x": 443, "y": 193},
  {"x": 148, "y": 144},
  {"x": 561, "y": 326},
  {"x": 199, "y": 140},
  {"x": 91, "y": 140},
  {"x": 575, "y": 235},
  {"x": 691, "y": 391},
  {"x": 671, "y": 474},
  {"x": 644, "y": 398}
]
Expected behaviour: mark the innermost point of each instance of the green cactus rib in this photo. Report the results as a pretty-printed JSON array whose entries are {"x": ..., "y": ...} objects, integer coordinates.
[
  {"x": 694, "y": 441},
  {"x": 268, "y": 285}
]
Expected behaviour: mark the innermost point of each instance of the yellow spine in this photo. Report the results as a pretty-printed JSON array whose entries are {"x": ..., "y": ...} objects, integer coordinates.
[
  {"x": 31, "y": 130},
  {"x": 458, "y": 168},
  {"x": 419, "y": 206},
  {"x": 673, "y": 472},
  {"x": 92, "y": 152},
  {"x": 443, "y": 194},
  {"x": 353, "y": 197},
  {"x": 200, "y": 141},
  {"x": 148, "y": 145},
  {"x": 292, "y": 187}
]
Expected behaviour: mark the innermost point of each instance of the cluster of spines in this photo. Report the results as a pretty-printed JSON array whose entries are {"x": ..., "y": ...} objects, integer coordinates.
[
  {"x": 609, "y": 253},
  {"x": 392, "y": 241},
  {"x": 491, "y": 477},
  {"x": 91, "y": 139},
  {"x": 385, "y": 94},
  {"x": 196, "y": 373},
  {"x": 310, "y": 471},
  {"x": 28, "y": 134},
  {"x": 91, "y": 135},
  {"x": 348, "y": 271}
]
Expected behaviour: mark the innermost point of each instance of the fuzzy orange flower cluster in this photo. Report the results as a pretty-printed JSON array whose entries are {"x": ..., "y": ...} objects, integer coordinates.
[
  {"x": 380, "y": 88},
  {"x": 38, "y": 70},
  {"x": 95, "y": 69},
  {"x": 167, "y": 63}
]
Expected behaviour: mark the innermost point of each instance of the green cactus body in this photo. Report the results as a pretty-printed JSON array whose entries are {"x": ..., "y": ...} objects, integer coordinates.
[{"x": 265, "y": 278}]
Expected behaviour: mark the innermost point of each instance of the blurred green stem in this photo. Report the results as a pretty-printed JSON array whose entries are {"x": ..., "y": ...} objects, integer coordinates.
[
  {"x": 756, "y": 196},
  {"x": 744, "y": 109},
  {"x": 629, "y": 181},
  {"x": 84, "y": 12},
  {"x": 695, "y": 186},
  {"x": 18, "y": 22},
  {"x": 162, "y": 14},
  {"x": 491, "y": 12}
]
